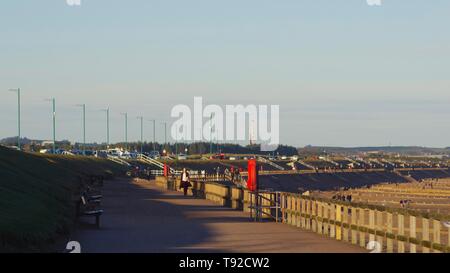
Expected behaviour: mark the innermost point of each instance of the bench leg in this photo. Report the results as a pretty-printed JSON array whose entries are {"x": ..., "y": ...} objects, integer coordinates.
[{"x": 97, "y": 221}]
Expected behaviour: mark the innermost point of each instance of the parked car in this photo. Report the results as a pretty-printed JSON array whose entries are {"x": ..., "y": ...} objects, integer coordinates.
[
  {"x": 101, "y": 154},
  {"x": 115, "y": 152},
  {"x": 88, "y": 153},
  {"x": 125, "y": 155},
  {"x": 154, "y": 154}
]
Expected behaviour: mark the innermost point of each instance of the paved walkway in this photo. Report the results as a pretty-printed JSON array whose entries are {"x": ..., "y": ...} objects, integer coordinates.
[{"x": 140, "y": 217}]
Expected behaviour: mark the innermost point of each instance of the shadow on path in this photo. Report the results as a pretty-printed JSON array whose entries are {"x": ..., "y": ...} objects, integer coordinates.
[{"x": 141, "y": 218}]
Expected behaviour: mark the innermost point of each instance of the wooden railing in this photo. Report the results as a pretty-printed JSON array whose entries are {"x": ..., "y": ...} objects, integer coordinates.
[{"x": 392, "y": 230}]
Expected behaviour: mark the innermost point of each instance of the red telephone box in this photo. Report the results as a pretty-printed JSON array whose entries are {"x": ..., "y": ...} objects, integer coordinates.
[{"x": 252, "y": 182}]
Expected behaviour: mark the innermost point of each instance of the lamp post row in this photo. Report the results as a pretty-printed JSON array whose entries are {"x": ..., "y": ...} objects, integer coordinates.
[
  {"x": 84, "y": 127},
  {"x": 17, "y": 90},
  {"x": 53, "y": 101},
  {"x": 83, "y": 106}
]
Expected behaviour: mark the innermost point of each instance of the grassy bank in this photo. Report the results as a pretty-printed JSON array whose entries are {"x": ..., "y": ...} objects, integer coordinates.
[{"x": 36, "y": 195}]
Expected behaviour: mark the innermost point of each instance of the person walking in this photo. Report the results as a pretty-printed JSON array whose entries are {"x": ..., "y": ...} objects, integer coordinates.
[
  {"x": 185, "y": 181},
  {"x": 204, "y": 175},
  {"x": 217, "y": 173}
]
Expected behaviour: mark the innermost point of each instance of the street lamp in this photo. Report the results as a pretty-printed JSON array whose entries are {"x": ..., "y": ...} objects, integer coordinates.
[
  {"x": 165, "y": 132},
  {"x": 83, "y": 106},
  {"x": 154, "y": 133},
  {"x": 210, "y": 134},
  {"x": 126, "y": 129},
  {"x": 107, "y": 126},
  {"x": 176, "y": 142},
  {"x": 53, "y": 101},
  {"x": 18, "y": 115},
  {"x": 141, "y": 118}
]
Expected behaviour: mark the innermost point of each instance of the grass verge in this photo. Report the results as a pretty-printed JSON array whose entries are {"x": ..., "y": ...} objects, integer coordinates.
[{"x": 36, "y": 196}]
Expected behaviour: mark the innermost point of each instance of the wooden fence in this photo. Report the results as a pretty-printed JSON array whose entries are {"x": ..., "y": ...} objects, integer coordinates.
[{"x": 391, "y": 230}]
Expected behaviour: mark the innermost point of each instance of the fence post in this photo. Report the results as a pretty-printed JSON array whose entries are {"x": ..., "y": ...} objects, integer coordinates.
[
  {"x": 425, "y": 234},
  {"x": 354, "y": 225},
  {"x": 338, "y": 225},
  {"x": 333, "y": 218},
  {"x": 362, "y": 223},
  {"x": 320, "y": 218},
  {"x": 303, "y": 211},
  {"x": 281, "y": 204},
  {"x": 277, "y": 198},
  {"x": 389, "y": 241},
  {"x": 371, "y": 225},
  {"x": 326, "y": 218},
  {"x": 313, "y": 216},
  {"x": 308, "y": 214},
  {"x": 293, "y": 212},
  {"x": 436, "y": 233},
  {"x": 292, "y": 203},
  {"x": 412, "y": 233},
  {"x": 286, "y": 208},
  {"x": 289, "y": 209},
  {"x": 345, "y": 220},
  {"x": 379, "y": 227},
  {"x": 348, "y": 219},
  {"x": 299, "y": 211},
  {"x": 401, "y": 232},
  {"x": 296, "y": 206},
  {"x": 448, "y": 235}
]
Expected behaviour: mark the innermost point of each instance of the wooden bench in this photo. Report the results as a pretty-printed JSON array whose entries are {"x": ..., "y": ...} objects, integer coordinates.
[
  {"x": 96, "y": 180},
  {"x": 92, "y": 198},
  {"x": 88, "y": 207}
]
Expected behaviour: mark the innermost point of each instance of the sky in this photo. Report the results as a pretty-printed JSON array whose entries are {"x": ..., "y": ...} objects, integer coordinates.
[{"x": 343, "y": 73}]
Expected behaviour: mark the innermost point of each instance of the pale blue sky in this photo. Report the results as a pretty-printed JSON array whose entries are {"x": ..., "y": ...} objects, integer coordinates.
[{"x": 343, "y": 73}]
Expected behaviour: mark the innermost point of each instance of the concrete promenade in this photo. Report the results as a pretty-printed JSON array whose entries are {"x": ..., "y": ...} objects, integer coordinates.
[{"x": 142, "y": 218}]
